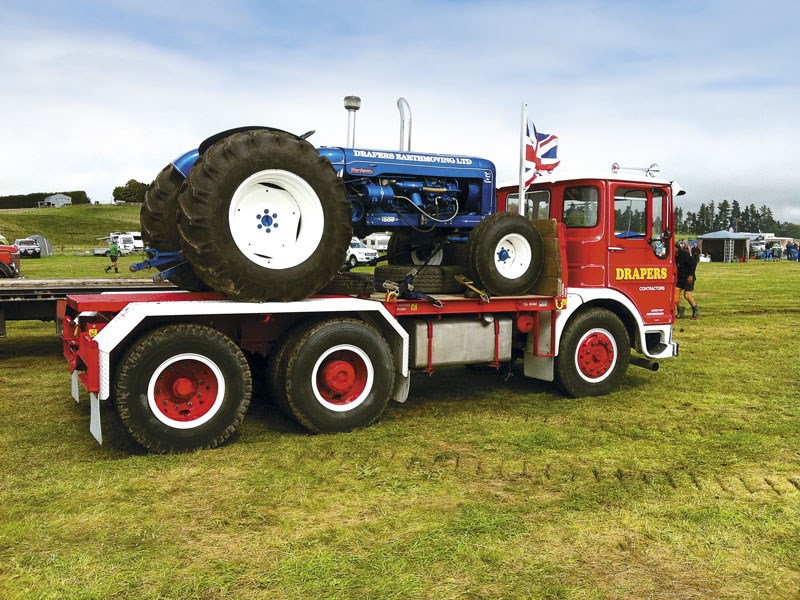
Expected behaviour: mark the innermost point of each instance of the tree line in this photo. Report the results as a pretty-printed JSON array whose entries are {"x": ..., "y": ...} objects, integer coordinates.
[{"x": 732, "y": 216}]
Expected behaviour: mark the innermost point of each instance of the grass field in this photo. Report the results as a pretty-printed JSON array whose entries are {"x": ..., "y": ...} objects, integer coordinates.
[
  {"x": 683, "y": 484},
  {"x": 69, "y": 229}
]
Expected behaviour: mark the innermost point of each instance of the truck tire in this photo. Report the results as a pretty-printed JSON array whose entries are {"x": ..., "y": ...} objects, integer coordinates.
[
  {"x": 430, "y": 279},
  {"x": 505, "y": 254},
  {"x": 352, "y": 261},
  {"x": 159, "y": 218},
  {"x": 276, "y": 367},
  {"x": 5, "y": 271},
  {"x": 264, "y": 217},
  {"x": 594, "y": 354},
  {"x": 181, "y": 388},
  {"x": 357, "y": 284},
  {"x": 338, "y": 375}
]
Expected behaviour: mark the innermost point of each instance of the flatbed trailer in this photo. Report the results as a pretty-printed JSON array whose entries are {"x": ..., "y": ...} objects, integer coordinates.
[
  {"x": 37, "y": 299},
  {"x": 360, "y": 350}
]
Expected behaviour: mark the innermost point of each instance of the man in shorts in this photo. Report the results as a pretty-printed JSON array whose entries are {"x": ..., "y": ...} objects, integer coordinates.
[
  {"x": 687, "y": 267},
  {"x": 113, "y": 254}
]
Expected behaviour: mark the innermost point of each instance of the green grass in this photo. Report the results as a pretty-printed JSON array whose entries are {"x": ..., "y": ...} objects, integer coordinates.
[
  {"x": 73, "y": 231},
  {"x": 683, "y": 484},
  {"x": 69, "y": 229}
]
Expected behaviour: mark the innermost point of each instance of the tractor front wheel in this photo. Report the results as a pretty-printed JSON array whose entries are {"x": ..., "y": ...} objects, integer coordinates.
[{"x": 505, "y": 254}]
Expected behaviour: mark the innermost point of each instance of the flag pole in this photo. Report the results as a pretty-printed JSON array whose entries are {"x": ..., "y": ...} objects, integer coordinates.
[{"x": 521, "y": 207}]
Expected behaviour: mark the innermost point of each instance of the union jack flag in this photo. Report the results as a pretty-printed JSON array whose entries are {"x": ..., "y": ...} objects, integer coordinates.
[{"x": 541, "y": 153}]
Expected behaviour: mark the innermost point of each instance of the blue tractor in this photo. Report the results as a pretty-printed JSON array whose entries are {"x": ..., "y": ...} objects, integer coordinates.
[{"x": 261, "y": 214}]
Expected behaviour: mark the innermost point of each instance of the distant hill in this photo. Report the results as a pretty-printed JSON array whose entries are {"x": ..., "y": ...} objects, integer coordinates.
[
  {"x": 71, "y": 226},
  {"x": 30, "y": 200}
]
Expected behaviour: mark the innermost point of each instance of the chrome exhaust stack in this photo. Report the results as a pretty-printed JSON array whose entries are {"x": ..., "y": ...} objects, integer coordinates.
[
  {"x": 405, "y": 124},
  {"x": 351, "y": 104}
]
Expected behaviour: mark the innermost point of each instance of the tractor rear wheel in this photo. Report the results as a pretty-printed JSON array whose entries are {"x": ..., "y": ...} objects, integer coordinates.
[
  {"x": 181, "y": 388},
  {"x": 159, "y": 216},
  {"x": 505, "y": 254},
  {"x": 264, "y": 217}
]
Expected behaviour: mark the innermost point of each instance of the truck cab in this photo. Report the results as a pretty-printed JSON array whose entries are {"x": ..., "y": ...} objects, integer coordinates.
[{"x": 620, "y": 251}]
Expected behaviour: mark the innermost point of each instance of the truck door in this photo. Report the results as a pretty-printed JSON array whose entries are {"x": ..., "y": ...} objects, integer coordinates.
[{"x": 639, "y": 249}]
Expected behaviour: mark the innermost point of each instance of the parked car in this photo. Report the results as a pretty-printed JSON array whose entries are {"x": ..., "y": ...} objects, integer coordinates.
[
  {"x": 359, "y": 253},
  {"x": 28, "y": 247}
]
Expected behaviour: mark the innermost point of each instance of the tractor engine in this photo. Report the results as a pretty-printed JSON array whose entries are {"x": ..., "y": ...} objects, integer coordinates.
[{"x": 390, "y": 189}]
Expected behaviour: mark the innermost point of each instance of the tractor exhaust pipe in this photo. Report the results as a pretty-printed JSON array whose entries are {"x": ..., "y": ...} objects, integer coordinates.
[
  {"x": 405, "y": 124},
  {"x": 351, "y": 104},
  {"x": 638, "y": 361}
]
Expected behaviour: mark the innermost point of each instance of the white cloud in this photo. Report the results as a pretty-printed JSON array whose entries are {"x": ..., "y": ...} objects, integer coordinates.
[{"x": 107, "y": 97}]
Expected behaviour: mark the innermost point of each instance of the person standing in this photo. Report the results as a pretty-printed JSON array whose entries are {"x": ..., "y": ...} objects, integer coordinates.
[
  {"x": 687, "y": 269},
  {"x": 113, "y": 254}
]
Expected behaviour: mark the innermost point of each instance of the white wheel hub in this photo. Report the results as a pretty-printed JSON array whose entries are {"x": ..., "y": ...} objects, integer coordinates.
[
  {"x": 276, "y": 219},
  {"x": 512, "y": 256}
]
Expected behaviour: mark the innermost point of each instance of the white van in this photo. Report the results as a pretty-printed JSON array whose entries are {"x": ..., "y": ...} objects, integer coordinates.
[{"x": 125, "y": 242}]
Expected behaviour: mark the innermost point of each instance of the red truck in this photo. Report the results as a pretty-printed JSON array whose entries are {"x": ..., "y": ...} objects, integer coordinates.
[
  {"x": 9, "y": 261},
  {"x": 178, "y": 366}
]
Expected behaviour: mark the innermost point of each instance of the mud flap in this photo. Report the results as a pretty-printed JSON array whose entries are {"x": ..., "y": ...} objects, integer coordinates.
[
  {"x": 94, "y": 417},
  {"x": 76, "y": 390}
]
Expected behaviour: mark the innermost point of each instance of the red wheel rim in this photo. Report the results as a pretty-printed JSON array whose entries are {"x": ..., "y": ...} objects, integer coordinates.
[
  {"x": 342, "y": 377},
  {"x": 185, "y": 390},
  {"x": 596, "y": 355}
]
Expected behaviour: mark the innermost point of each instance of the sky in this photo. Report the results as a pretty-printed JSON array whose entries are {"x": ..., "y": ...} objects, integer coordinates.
[{"x": 97, "y": 93}]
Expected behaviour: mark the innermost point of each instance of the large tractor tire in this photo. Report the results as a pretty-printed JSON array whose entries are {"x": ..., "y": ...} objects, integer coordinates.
[
  {"x": 181, "y": 388},
  {"x": 594, "y": 354},
  {"x": 505, "y": 254},
  {"x": 337, "y": 375},
  {"x": 159, "y": 220},
  {"x": 264, "y": 217}
]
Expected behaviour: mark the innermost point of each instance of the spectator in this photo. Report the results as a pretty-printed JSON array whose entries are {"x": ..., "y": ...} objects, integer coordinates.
[
  {"x": 113, "y": 254},
  {"x": 687, "y": 269}
]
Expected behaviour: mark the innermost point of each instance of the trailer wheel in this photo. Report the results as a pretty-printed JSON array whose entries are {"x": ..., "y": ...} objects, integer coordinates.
[
  {"x": 264, "y": 217},
  {"x": 505, "y": 254},
  {"x": 594, "y": 354},
  {"x": 430, "y": 279},
  {"x": 338, "y": 375},
  {"x": 276, "y": 368},
  {"x": 159, "y": 218},
  {"x": 182, "y": 387}
]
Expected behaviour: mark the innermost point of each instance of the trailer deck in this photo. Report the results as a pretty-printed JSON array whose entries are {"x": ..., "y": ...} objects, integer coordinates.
[{"x": 37, "y": 299}]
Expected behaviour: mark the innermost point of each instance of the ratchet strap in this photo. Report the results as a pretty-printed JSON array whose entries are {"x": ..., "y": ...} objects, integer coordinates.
[{"x": 470, "y": 285}]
